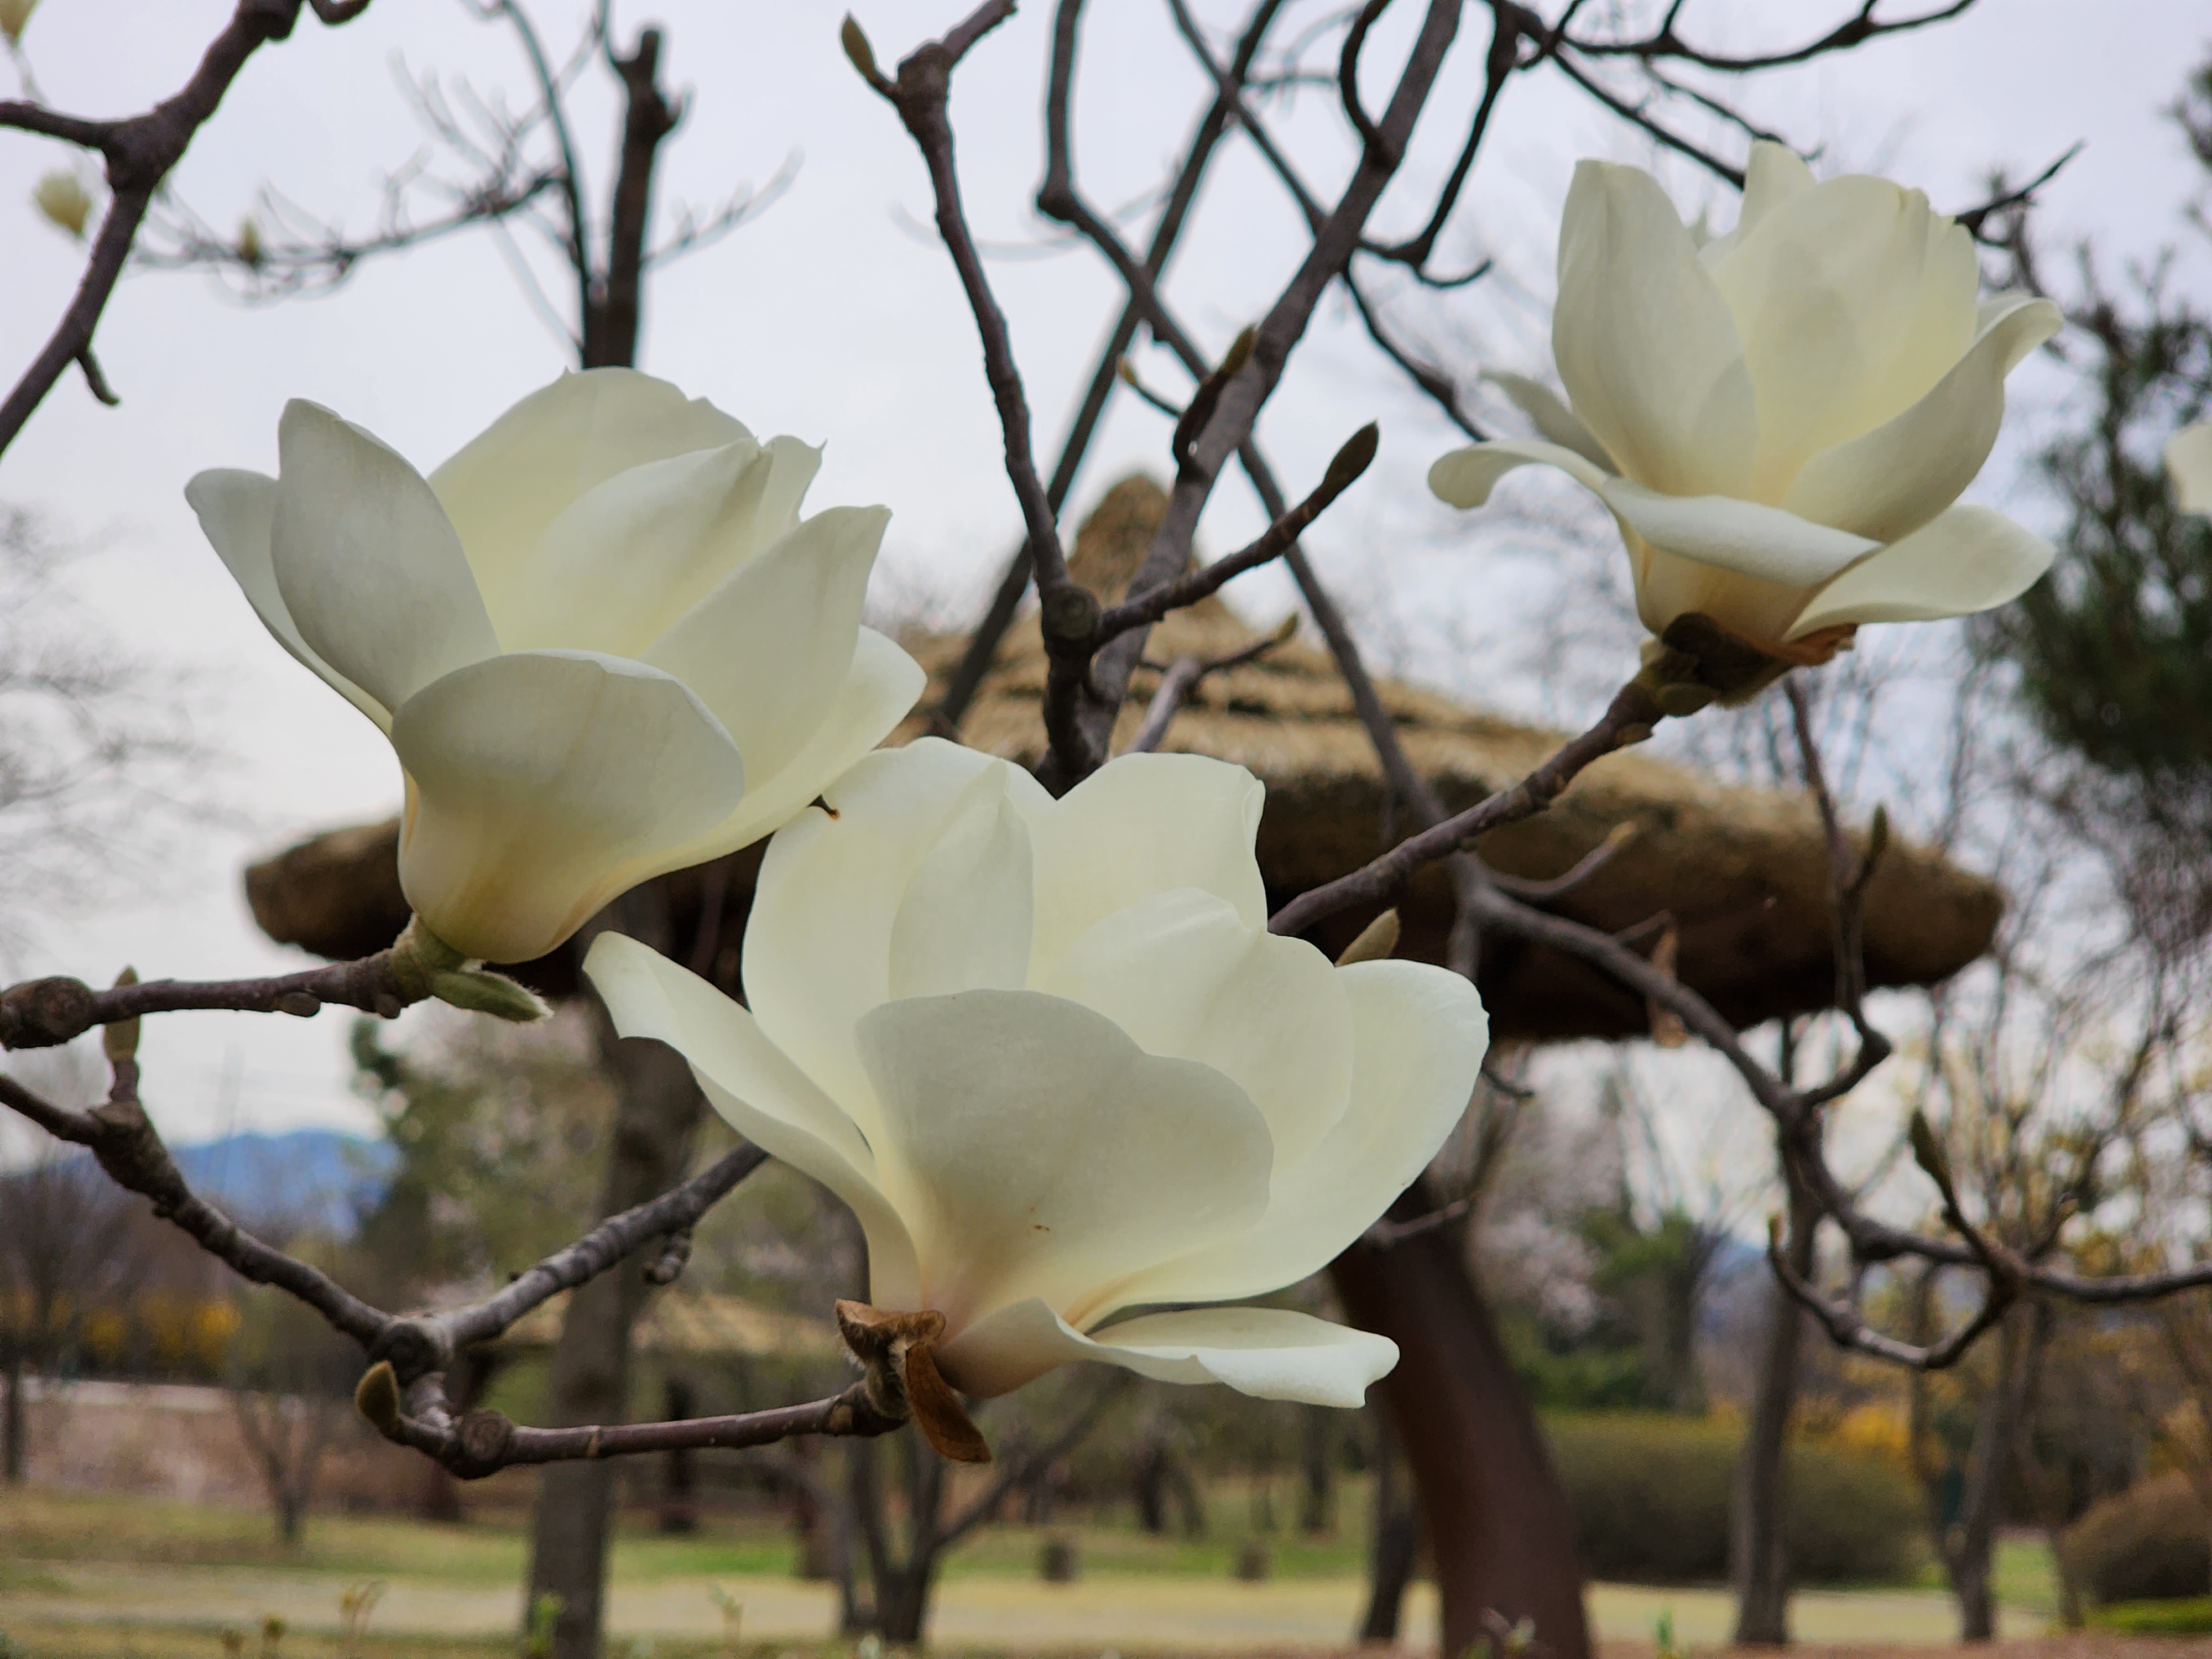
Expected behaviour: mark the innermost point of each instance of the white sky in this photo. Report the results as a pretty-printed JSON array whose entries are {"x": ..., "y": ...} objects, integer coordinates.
[{"x": 836, "y": 317}]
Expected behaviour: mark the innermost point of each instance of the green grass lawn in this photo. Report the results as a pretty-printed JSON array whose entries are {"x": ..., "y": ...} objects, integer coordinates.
[{"x": 37, "y": 1527}]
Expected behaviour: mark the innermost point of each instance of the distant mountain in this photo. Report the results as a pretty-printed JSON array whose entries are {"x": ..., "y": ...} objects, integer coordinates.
[{"x": 319, "y": 1180}]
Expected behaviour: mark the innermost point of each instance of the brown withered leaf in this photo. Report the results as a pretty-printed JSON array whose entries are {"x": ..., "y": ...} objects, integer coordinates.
[{"x": 938, "y": 1410}]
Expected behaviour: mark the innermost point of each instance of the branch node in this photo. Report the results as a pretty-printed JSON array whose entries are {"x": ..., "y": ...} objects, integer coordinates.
[{"x": 44, "y": 1013}]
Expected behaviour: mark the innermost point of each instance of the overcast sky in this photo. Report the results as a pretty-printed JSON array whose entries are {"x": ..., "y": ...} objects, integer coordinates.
[{"x": 835, "y": 316}]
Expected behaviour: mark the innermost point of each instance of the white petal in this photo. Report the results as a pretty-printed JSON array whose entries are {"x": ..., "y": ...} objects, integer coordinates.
[
  {"x": 1465, "y": 478},
  {"x": 1420, "y": 1033},
  {"x": 1824, "y": 290},
  {"x": 1643, "y": 341},
  {"x": 1143, "y": 824},
  {"x": 1946, "y": 320},
  {"x": 544, "y": 783},
  {"x": 1183, "y": 975},
  {"x": 1897, "y": 476},
  {"x": 1274, "y": 1353},
  {"x": 236, "y": 511},
  {"x": 1668, "y": 585},
  {"x": 755, "y": 1085},
  {"x": 1739, "y": 536},
  {"x": 630, "y": 555},
  {"x": 819, "y": 942},
  {"x": 2189, "y": 467},
  {"x": 370, "y": 571},
  {"x": 1968, "y": 559},
  {"x": 1553, "y": 421},
  {"x": 880, "y": 689},
  {"x": 964, "y": 924},
  {"x": 1771, "y": 175},
  {"x": 1034, "y": 1150},
  {"x": 768, "y": 649},
  {"x": 508, "y": 483}
]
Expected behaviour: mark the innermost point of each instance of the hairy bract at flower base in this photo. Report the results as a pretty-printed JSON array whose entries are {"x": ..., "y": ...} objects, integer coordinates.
[
  {"x": 1051, "y": 1056},
  {"x": 600, "y": 638},
  {"x": 2189, "y": 467},
  {"x": 1780, "y": 419}
]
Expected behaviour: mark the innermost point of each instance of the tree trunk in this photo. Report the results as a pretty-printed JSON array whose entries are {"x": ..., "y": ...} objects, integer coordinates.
[
  {"x": 2070, "y": 1613},
  {"x": 679, "y": 1498},
  {"x": 291, "y": 1512},
  {"x": 438, "y": 1498},
  {"x": 12, "y": 1452},
  {"x": 1759, "y": 1570},
  {"x": 1967, "y": 1553},
  {"x": 1396, "y": 1542},
  {"x": 657, "y": 1109},
  {"x": 1496, "y": 1515},
  {"x": 1317, "y": 1512}
]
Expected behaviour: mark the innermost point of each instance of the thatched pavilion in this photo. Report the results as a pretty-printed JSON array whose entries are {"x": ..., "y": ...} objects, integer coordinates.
[{"x": 1741, "y": 871}]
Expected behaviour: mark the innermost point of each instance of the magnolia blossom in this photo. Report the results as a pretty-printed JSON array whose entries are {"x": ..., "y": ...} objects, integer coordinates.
[
  {"x": 600, "y": 638},
  {"x": 1049, "y": 1054},
  {"x": 2189, "y": 467},
  {"x": 1781, "y": 418}
]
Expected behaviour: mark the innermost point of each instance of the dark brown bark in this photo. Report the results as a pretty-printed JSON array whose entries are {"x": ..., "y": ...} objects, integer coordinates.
[
  {"x": 1968, "y": 1544},
  {"x": 1497, "y": 1519},
  {"x": 611, "y": 322},
  {"x": 1394, "y": 1546},
  {"x": 1317, "y": 1449},
  {"x": 1759, "y": 1568},
  {"x": 679, "y": 1495},
  {"x": 657, "y": 1110},
  {"x": 13, "y": 1454}
]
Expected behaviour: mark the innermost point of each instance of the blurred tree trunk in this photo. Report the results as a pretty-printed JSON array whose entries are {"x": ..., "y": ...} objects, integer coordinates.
[
  {"x": 657, "y": 1110},
  {"x": 1317, "y": 1511},
  {"x": 1759, "y": 1568},
  {"x": 12, "y": 1453},
  {"x": 439, "y": 1497},
  {"x": 658, "y": 1103},
  {"x": 1968, "y": 1544},
  {"x": 1496, "y": 1517},
  {"x": 679, "y": 1497},
  {"x": 1394, "y": 1540}
]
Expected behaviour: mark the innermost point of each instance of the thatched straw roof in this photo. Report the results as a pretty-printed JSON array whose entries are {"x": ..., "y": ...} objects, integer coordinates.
[{"x": 1743, "y": 872}]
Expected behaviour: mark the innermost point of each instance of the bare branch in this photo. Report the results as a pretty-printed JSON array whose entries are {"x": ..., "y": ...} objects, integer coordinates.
[
  {"x": 140, "y": 153},
  {"x": 1147, "y": 608},
  {"x": 44, "y": 1013},
  {"x": 920, "y": 94},
  {"x": 1183, "y": 676},
  {"x": 1628, "y": 719}
]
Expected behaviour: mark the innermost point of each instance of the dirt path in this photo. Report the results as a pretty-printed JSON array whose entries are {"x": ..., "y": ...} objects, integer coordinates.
[{"x": 1099, "y": 1612}]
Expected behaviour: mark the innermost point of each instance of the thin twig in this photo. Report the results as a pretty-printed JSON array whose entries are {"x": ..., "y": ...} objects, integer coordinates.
[
  {"x": 1183, "y": 676},
  {"x": 1628, "y": 719},
  {"x": 140, "y": 152}
]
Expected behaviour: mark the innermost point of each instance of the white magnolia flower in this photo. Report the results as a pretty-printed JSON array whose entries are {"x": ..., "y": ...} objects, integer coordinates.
[
  {"x": 1782, "y": 418},
  {"x": 1049, "y": 1054},
  {"x": 2189, "y": 467},
  {"x": 600, "y": 638}
]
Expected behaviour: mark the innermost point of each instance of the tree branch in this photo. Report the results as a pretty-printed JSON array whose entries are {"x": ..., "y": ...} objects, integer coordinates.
[{"x": 140, "y": 151}]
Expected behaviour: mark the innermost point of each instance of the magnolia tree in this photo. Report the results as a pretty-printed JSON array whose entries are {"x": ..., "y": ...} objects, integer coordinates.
[{"x": 1085, "y": 1094}]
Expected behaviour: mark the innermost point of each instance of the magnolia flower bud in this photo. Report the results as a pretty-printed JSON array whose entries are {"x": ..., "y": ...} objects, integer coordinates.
[
  {"x": 2189, "y": 467},
  {"x": 1050, "y": 1055},
  {"x": 14, "y": 15},
  {"x": 601, "y": 639},
  {"x": 62, "y": 196},
  {"x": 249, "y": 242},
  {"x": 1780, "y": 419}
]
